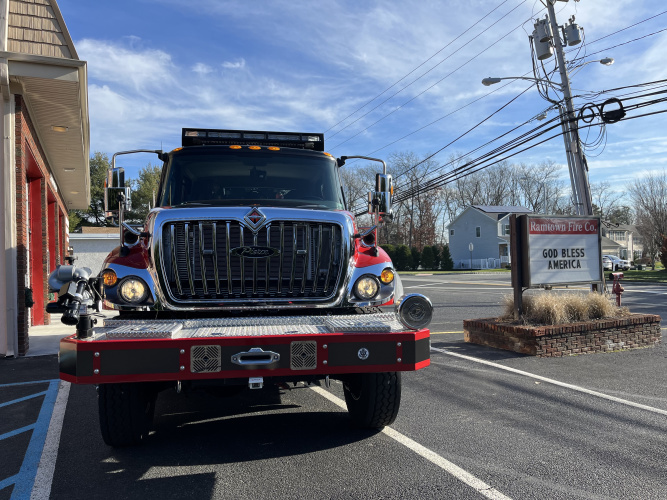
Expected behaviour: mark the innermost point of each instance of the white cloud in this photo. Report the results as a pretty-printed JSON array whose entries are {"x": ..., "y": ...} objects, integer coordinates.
[
  {"x": 202, "y": 69},
  {"x": 286, "y": 66},
  {"x": 240, "y": 64}
]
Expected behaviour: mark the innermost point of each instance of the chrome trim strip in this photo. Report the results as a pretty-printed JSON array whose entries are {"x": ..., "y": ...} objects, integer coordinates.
[
  {"x": 202, "y": 263},
  {"x": 229, "y": 263},
  {"x": 306, "y": 242},
  {"x": 319, "y": 257},
  {"x": 331, "y": 257},
  {"x": 242, "y": 261},
  {"x": 267, "y": 283},
  {"x": 282, "y": 251},
  {"x": 254, "y": 267},
  {"x": 214, "y": 228},
  {"x": 293, "y": 271},
  {"x": 173, "y": 259},
  {"x": 187, "y": 258}
]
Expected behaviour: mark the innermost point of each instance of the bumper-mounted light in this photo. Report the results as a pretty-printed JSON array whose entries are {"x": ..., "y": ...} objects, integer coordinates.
[{"x": 415, "y": 311}]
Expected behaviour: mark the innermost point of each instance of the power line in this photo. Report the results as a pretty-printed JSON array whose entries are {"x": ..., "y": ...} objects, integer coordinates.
[
  {"x": 627, "y": 27},
  {"x": 629, "y": 41},
  {"x": 417, "y": 67},
  {"x": 443, "y": 117},
  {"x": 489, "y": 155},
  {"x": 482, "y": 161},
  {"x": 428, "y": 88},
  {"x": 478, "y": 163}
]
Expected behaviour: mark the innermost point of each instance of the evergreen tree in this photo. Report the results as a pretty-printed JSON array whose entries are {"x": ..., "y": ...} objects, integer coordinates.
[
  {"x": 428, "y": 258},
  {"x": 416, "y": 259},
  {"x": 437, "y": 257},
  {"x": 447, "y": 262}
]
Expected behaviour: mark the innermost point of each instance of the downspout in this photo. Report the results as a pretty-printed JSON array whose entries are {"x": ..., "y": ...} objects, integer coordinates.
[{"x": 8, "y": 304}]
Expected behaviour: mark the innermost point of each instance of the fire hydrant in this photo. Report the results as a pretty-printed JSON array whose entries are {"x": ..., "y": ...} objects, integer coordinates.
[{"x": 617, "y": 288}]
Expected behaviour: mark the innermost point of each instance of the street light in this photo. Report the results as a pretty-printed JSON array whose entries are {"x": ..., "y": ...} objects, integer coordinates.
[
  {"x": 607, "y": 61},
  {"x": 576, "y": 160}
]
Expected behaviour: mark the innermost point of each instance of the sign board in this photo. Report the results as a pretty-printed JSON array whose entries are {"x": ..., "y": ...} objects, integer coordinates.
[{"x": 560, "y": 250}]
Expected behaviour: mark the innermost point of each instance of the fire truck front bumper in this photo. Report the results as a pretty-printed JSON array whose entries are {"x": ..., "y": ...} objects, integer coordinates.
[{"x": 238, "y": 348}]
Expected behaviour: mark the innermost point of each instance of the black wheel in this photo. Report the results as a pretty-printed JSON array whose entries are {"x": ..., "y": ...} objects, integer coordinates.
[
  {"x": 373, "y": 399},
  {"x": 126, "y": 412}
]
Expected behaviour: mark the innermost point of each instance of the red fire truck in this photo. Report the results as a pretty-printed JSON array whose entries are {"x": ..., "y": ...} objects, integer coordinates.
[{"x": 249, "y": 271}]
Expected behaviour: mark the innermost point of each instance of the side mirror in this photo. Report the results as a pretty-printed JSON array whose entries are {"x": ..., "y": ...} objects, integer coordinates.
[
  {"x": 116, "y": 193},
  {"x": 379, "y": 201}
]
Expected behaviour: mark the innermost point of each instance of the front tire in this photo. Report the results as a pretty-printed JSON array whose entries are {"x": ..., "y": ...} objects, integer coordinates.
[
  {"x": 373, "y": 399},
  {"x": 126, "y": 412}
]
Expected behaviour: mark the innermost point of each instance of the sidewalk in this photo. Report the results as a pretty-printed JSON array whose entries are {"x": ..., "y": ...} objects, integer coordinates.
[{"x": 45, "y": 339}]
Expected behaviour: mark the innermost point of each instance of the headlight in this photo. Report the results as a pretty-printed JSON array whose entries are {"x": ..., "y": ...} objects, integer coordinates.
[
  {"x": 133, "y": 290},
  {"x": 366, "y": 287}
]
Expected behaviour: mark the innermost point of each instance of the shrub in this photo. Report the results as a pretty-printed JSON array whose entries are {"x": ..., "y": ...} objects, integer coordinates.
[
  {"x": 403, "y": 258},
  {"x": 416, "y": 259},
  {"x": 663, "y": 252},
  {"x": 391, "y": 251},
  {"x": 428, "y": 259}
]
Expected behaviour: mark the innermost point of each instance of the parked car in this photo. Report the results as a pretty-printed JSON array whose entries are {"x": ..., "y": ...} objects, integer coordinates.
[
  {"x": 607, "y": 264},
  {"x": 618, "y": 263}
]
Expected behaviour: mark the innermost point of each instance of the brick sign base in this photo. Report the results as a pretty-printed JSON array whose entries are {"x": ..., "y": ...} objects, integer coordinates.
[{"x": 606, "y": 335}]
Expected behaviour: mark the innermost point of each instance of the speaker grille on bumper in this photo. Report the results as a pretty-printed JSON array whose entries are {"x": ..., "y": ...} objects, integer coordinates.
[
  {"x": 303, "y": 355},
  {"x": 205, "y": 359}
]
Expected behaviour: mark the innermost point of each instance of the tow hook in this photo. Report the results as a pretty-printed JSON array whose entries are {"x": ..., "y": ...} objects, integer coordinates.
[{"x": 255, "y": 382}]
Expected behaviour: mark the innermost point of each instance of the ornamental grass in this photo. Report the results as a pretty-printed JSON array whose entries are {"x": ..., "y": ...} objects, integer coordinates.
[{"x": 553, "y": 308}]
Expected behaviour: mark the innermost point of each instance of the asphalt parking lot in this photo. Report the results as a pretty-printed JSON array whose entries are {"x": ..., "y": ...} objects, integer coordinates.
[{"x": 477, "y": 423}]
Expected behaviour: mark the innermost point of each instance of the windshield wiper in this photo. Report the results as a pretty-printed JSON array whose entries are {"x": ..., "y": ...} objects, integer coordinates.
[{"x": 193, "y": 203}]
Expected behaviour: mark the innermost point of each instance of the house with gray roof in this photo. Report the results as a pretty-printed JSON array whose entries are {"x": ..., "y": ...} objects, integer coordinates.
[{"x": 479, "y": 236}]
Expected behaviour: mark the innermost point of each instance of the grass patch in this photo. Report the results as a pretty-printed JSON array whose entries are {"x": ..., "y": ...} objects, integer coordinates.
[
  {"x": 457, "y": 271},
  {"x": 657, "y": 276},
  {"x": 549, "y": 308}
]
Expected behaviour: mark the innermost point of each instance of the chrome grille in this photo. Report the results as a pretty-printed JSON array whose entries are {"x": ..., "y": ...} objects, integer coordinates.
[{"x": 204, "y": 261}]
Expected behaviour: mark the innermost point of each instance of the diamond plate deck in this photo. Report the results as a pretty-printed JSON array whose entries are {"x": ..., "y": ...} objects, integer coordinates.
[{"x": 249, "y": 327}]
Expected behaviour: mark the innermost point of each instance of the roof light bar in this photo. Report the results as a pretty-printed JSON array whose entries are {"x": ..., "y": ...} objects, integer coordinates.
[{"x": 197, "y": 137}]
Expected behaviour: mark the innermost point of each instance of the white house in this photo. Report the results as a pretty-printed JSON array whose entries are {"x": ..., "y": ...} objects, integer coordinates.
[
  {"x": 623, "y": 241},
  {"x": 479, "y": 236}
]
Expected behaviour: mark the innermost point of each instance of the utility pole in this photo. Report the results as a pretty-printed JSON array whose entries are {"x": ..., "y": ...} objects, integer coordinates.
[{"x": 576, "y": 159}]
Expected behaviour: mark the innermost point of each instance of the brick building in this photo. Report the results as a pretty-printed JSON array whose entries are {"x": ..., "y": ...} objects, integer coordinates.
[{"x": 44, "y": 163}]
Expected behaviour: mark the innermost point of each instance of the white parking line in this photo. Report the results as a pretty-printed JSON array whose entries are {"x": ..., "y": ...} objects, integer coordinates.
[
  {"x": 429, "y": 455},
  {"x": 47, "y": 464},
  {"x": 552, "y": 381}
]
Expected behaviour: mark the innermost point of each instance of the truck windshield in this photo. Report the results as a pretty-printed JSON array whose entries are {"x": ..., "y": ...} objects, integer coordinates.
[{"x": 242, "y": 178}]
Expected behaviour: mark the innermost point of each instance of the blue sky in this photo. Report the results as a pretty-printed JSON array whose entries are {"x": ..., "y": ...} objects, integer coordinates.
[{"x": 156, "y": 66}]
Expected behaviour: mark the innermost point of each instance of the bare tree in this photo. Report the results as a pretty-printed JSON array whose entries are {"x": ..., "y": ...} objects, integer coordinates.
[
  {"x": 649, "y": 197},
  {"x": 605, "y": 199}
]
